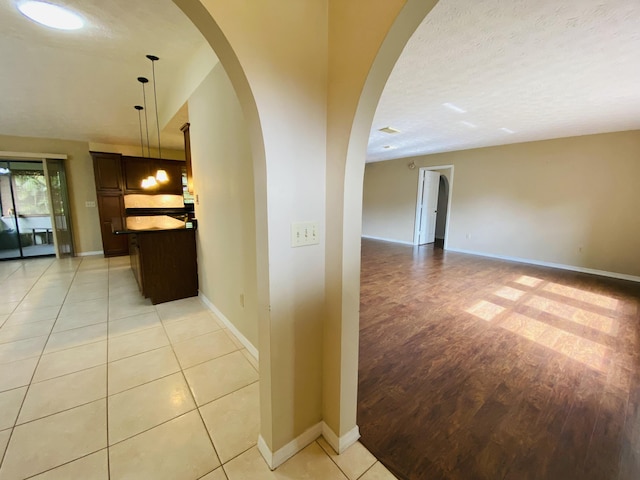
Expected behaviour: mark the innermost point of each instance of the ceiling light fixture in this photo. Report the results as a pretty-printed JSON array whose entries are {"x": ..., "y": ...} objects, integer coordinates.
[
  {"x": 453, "y": 107},
  {"x": 469, "y": 124},
  {"x": 389, "y": 130},
  {"x": 507, "y": 130},
  {"x": 51, "y": 15},
  {"x": 388, "y": 147}
]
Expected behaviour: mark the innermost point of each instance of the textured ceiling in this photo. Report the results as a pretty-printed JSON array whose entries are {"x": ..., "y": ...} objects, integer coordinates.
[
  {"x": 81, "y": 85},
  {"x": 542, "y": 69}
]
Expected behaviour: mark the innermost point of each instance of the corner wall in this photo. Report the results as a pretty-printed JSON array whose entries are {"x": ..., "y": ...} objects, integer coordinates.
[
  {"x": 223, "y": 181},
  {"x": 570, "y": 201},
  {"x": 79, "y": 169}
]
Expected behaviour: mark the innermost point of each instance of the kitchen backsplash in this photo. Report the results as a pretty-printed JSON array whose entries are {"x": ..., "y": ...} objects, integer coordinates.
[{"x": 153, "y": 201}]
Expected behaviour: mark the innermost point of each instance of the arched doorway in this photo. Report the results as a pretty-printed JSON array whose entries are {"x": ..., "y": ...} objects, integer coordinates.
[{"x": 308, "y": 106}]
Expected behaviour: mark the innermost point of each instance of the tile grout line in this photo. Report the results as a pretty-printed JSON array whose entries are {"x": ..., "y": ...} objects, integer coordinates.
[
  {"x": 184, "y": 378},
  {"x": 107, "y": 370},
  {"x": 37, "y": 363}
]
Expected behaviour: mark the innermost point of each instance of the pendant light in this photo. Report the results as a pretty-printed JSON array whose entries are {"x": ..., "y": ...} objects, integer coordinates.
[
  {"x": 139, "y": 108},
  {"x": 144, "y": 80},
  {"x": 153, "y": 59}
]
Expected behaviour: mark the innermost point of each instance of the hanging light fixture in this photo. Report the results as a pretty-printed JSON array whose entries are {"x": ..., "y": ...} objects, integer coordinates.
[
  {"x": 153, "y": 59},
  {"x": 144, "y": 80},
  {"x": 139, "y": 108}
]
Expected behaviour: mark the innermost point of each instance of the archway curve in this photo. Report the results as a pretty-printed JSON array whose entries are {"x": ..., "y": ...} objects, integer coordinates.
[{"x": 407, "y": 21}]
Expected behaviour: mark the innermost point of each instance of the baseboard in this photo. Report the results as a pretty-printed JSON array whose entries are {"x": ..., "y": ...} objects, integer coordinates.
[
  {"x": 277, "y": 458},
  {"x": 227, "y": 323},
  {"x": 388, "y": 240},
  {"x": 88, "y": 254},
  {"x": 340, "y": 444},
  {"x": 602, "y": 273}
]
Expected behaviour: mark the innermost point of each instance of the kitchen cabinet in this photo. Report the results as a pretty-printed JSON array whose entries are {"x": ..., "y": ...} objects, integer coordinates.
[
  {"x": 107, "y": 171},
  {"x": 164, "y": 263},
  {"x": 111, "y": 210},
  {"x": 136, "y": 169}
]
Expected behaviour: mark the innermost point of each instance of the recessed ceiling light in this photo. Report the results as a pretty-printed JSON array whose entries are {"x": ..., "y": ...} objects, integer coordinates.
[
  {"x": 51, "y": 15},
  {"x": 469, "y": 124},
  {"x": 507, "y": 130},
  {"x": 453, "y": 107},
  {"x": 389, "y": 130}
]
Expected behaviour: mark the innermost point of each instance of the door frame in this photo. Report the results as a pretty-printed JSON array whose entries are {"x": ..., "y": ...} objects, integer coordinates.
[{"x": 416, "y": 225}]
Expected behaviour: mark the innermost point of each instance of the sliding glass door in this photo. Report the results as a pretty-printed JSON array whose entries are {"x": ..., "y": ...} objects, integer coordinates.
[
  {"x": 34, "y": 206},
  {"x": 59, "y": 201}
]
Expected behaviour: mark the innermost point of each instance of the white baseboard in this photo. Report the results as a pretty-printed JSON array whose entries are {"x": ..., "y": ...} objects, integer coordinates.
[
  {"x": 392, "y": 240},
  {"x": 241, "y": 338},
  {"x": 573, "y": 268},
  {"x": 88, "y": 254},
  {"x": 340, "y": 444},
  {"x": 277, "y": 458}
]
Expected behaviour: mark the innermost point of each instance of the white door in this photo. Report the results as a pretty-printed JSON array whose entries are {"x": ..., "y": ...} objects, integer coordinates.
[{"x": 427, "y": 206}]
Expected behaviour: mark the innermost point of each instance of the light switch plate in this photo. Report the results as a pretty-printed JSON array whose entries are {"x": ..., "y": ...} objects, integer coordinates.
[
  {"x": 90, "y": 204},
  {"x": 304, "y": 233}
]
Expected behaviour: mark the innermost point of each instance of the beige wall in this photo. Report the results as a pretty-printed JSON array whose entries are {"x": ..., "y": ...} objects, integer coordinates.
[
  {"x": 223, "y": 181},
  {"x": 79, "y": 168},
  {"x": 571, "y": 201},
  {"x": 135, "y": 150}
]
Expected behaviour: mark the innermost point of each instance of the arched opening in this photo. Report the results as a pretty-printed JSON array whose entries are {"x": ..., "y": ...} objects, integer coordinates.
[{"x": 441, "y": 218}]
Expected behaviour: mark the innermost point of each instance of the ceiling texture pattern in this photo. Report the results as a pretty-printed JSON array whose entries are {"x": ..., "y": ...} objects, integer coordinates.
[
  {"x": 540, "y": 69},
  {"x": 81, "y": 85}
]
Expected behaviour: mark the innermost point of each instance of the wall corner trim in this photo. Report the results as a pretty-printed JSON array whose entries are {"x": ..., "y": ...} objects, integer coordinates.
[
  {"x": 392, "y": 240},
  {"x": 247, "y": 344},
  {"x": 277, "y": 458},
  {"x": 573, "y": 268},
  {"x": 340, "y": 444}
]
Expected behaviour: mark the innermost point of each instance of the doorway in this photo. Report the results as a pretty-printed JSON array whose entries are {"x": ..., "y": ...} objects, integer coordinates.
[
  {"x": 433, "y": 205},
  {"x": 34, "y": 213}
]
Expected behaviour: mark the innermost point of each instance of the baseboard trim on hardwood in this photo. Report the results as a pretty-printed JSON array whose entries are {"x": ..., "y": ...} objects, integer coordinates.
[
  {"x": 277, "y": 458},
  {"x": 89, "y": 254},
  {"x": 388, "y": 240},
  {"x": 241, "y": 338},
  {"x": 340, "y": 444},
  {"x": 573, "y": 268}
]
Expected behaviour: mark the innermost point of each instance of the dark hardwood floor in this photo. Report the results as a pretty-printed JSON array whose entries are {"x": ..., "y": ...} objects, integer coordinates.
[{"x": 474, "y": 368}]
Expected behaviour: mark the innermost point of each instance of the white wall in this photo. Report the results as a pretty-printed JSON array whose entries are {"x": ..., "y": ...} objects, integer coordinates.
[
  {"x": 223, "y": 182},
  {"x": 571, "y": 201}
]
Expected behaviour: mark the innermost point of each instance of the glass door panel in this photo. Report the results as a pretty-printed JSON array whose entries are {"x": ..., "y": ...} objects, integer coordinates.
[
  {"x": 59, "y": 201},
  {"x": 32, "y": 209},
  {"x": 9, "y": 234}
]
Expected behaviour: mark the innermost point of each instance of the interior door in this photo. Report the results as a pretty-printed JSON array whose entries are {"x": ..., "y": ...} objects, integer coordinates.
[
  {"x": 59, "y": 201},
  {"x": 427, "y": 206}
]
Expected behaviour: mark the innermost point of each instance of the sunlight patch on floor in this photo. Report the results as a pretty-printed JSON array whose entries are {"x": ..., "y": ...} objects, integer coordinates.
[{"x": 582, "y": 295}]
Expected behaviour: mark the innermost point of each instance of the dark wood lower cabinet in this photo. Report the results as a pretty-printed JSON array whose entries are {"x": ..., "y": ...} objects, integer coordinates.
[
  {"x": 164, "y": 264},
  {"x": 110, "y": 208}
]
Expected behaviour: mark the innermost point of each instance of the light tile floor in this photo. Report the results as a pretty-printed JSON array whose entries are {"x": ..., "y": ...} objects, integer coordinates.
[{"x": 97, "y": 383}]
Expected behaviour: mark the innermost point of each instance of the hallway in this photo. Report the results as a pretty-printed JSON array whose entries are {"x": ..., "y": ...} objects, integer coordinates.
[
  {"x": 479, "y": 368},
  {"x": 97, "y": 383}
]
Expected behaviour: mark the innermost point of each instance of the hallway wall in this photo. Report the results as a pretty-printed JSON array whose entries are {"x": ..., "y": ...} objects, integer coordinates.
[
  {"x": 223, "y": 181},
  {"x": 569, "y": 201}
]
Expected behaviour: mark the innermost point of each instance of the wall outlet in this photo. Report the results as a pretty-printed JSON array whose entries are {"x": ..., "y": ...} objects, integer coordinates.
[
  {"x": 90, "y": 204},
  {"x": 304, "y": 233}
]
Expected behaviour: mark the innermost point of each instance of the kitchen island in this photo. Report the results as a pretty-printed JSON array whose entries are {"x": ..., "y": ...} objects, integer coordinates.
[{"x": 163, "y": 260}]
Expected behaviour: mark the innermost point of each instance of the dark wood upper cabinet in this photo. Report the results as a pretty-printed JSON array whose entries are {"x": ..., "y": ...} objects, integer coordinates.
[
  {"x": 107, "y": 171},
  {"x": 138, "y": 168}
]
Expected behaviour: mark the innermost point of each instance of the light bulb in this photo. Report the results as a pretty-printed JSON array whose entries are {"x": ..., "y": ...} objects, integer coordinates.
[{"x": 161, "y": 176}]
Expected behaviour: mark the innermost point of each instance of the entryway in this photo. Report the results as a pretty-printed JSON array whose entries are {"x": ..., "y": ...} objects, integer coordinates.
[{"x": 433, "y": 205}]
